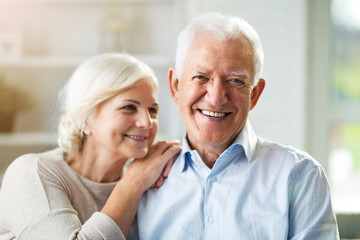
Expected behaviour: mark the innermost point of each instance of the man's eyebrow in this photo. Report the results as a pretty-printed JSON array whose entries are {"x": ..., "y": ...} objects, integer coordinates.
[
  {"x": 138, "y": 103},
  {"x": 202, "y": 71},
  {"x": 238, "y": 73},
  {"x": 233, "y": 73}
]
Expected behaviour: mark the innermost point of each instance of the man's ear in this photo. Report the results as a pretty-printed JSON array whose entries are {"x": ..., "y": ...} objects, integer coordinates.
[
  {"x": 256, "y": 92},
  {"x": 173, "y": 84}
]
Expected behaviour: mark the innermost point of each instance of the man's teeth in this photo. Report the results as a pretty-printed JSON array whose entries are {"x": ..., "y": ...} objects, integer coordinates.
[
  {"x": 136, "y": 137},
  {"x": 213, "y": 114}
]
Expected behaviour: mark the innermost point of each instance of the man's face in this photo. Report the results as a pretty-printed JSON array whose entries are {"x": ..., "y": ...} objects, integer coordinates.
[{"x": 215, "y": 92}]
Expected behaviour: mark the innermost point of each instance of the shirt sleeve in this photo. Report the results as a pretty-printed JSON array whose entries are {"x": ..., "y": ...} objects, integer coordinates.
[
  {"x": 310, "y": 212},
  {"x": 26, "y": 211}
]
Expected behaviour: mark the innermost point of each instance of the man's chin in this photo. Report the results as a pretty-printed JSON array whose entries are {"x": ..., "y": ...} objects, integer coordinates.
[{"x": 210, "y": 140}]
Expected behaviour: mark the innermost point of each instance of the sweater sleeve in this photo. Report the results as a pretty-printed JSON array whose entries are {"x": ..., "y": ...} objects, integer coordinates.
[{"x": 26, "y": 210}]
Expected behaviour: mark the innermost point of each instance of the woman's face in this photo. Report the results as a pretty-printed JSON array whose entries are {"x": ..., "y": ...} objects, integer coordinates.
[{"x": 126, "y": 124}]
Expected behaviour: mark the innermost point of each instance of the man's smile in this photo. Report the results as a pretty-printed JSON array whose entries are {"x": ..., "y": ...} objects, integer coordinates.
[{"x": 213, "y": 114}]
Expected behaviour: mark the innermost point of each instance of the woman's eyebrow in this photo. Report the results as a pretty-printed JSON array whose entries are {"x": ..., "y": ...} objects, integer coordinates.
[
  {"x": 138, "y": 103},
  {"x": 131, "y": 100}
]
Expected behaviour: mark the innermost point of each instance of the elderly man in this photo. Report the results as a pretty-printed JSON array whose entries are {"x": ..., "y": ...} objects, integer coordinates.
[{"x": 228, "y": 183}]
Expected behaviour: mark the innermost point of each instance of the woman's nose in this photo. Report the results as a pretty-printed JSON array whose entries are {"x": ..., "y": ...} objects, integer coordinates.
[
  {"x": 144, "y": 120},
  {"x": 216, "y": 92}
]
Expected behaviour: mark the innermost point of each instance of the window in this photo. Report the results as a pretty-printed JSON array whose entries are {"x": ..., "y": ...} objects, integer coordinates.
[
  {"x": 345, "y": 74},
  {"x": 333, "y": 119},
  {"x": 344, "y": 166}
]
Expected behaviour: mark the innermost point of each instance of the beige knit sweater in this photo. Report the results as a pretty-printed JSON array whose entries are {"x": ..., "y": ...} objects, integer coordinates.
[{"x": 41, "y": 197}]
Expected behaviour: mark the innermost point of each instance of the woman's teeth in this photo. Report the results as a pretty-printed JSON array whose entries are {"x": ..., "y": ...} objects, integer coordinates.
[
  {"x": 136, "y": 137},
  {"x": 213, "y": 114}
]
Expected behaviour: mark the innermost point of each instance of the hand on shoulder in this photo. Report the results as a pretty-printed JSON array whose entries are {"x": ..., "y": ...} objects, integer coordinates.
[{"x": 151, "y": 170}]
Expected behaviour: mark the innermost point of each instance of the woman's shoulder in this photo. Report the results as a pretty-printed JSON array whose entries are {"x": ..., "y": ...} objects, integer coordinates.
[
  {"x": 28, "y": 165},
  {"x": 33, "y": 159}
]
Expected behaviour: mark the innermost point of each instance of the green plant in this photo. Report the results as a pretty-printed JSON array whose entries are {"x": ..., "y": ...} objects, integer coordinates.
[{"x": 12, "y": 99}]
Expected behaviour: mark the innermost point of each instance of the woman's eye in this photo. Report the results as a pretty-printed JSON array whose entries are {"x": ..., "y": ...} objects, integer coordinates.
[
  {"x": 153, "y": 112},
  {"x": 129, "y": 108}
]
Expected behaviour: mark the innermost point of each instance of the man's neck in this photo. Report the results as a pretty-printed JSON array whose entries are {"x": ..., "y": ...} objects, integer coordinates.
[{"x": 209, "y": 153}]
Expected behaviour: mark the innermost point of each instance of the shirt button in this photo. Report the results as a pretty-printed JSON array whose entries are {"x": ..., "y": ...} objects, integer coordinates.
[
  {"x": 211, "y": 219},
  {"x": 213, "y": 179}
]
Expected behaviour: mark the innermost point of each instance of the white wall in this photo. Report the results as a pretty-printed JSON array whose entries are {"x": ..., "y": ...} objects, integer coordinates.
[{"x": 72, "y": 30}]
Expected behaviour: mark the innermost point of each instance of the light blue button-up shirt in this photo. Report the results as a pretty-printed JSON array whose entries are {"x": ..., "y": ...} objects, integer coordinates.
[{"x": 256, "y": 190}]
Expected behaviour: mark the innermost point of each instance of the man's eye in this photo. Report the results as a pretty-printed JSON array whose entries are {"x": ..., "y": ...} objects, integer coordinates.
[
  {"x": 236, "y": 82},
  {"x": 200, "y": 78}
]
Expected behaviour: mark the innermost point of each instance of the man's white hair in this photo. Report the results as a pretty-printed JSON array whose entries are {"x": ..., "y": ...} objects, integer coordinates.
[{"x": 224, "y": 28}]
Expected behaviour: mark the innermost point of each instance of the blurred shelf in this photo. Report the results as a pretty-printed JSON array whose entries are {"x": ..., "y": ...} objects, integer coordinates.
[
  {"x": 72, "y": 62},
  {"x": 28, "y": 139},
  {"x": 38, "y": 62},
  {"x": 83, "y": 2}
]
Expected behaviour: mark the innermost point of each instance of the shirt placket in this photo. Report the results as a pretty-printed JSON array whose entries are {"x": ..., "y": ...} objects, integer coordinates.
[
  {"x": 209, "y": 210},
  {"x": 210, "y": 213}
]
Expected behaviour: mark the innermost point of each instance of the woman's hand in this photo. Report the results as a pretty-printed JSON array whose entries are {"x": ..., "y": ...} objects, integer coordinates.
[
  {"x": 151, "y": 170},
  {"x": 141, "y": 174},
  {"x": 159, "y": 182}
]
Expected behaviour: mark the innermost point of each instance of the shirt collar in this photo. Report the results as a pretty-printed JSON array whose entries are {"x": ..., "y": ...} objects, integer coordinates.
[
  {"x": 185, "y": 155},
  {"x": 246, "y": 139}
]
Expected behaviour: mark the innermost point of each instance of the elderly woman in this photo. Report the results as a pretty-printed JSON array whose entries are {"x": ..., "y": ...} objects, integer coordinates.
[{"x": 78, "y": 191}]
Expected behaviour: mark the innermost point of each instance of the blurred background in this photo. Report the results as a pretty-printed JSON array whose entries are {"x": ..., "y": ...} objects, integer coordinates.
[{"x": 312, "y": 67}]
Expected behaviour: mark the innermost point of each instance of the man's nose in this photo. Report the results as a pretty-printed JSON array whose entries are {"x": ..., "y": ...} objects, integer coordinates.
[
  {"x": 144, "y": 120},
  {"x": 216, "y": 92}
]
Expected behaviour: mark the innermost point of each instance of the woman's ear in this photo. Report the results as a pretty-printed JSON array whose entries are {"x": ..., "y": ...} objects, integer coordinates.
[
  {"x": 256, "y": 92},
  {"x": 173, "y": 84},
  {"x": 87, "y": 129}
]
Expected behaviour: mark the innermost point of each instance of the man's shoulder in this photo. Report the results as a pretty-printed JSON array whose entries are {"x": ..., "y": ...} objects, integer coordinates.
[
  {"x": 287, "y": 161},
  {"x": 275, "y": 147},
  {"x": 287, "y": 154}
]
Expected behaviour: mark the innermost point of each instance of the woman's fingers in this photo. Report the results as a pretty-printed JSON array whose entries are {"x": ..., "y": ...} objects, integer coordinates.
[
  {"x": 163, "y": 146},
  {"x": 168, "y": 157},
  {"x": 170, "y": 152},
  {"x": 167, "y": 167},
  {"x": 163, "y": 152},
  {"x": 159, "y": 182},
  {"x": 151, "y": 170}
]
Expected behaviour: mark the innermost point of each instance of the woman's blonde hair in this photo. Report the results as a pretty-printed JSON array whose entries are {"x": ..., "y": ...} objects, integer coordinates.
[{"x": 96, "y": 80}]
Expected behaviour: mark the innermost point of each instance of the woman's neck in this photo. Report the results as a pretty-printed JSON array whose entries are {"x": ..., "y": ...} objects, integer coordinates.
[{"x": 98, "y": 166}]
